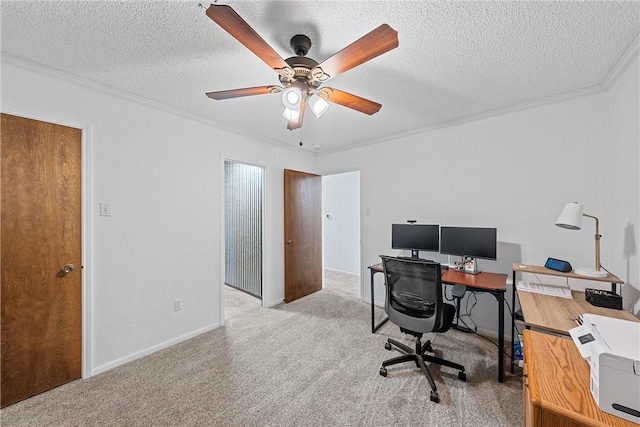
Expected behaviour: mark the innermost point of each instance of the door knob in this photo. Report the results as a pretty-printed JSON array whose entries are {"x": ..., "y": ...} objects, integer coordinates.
[
  {"x": 68, "y": 268},
  {"x": 290, "y": 243}
]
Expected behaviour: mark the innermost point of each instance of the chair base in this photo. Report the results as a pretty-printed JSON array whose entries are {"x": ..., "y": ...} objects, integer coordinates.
[{"x": 419, "y": 357}]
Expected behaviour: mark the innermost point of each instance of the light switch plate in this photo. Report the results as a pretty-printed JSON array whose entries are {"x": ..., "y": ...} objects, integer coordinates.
[{"x": 105, "y": 209}]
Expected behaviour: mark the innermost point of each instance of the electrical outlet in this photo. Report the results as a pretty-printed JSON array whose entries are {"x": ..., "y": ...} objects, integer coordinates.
[{"x": 177, "y": 304}]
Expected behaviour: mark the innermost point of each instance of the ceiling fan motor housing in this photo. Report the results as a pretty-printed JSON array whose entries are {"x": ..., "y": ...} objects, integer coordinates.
[
  {"x": 302, "y": 67},
  {"x": 300, "y": 44}
]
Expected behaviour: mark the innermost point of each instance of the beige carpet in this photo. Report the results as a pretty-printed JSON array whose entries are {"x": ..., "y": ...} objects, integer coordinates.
[
  {"x": 344, "y": 284},
  {"x": 312, "y": 362}
]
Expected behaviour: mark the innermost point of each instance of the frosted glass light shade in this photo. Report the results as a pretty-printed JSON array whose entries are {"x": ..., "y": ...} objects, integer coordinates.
[
  {"x": 291, "y": 98},
  {"x": 291, "y": 115},
  {"x": 318, "y": 105}
]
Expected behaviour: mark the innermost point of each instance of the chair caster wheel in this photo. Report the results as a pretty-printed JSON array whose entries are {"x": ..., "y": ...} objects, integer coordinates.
[
  {"x": 434, "y": 397},
  {"x": 462, "y": 376},
  {"x": 387, "y": 346},
  {"x": 383, "y": 371}
]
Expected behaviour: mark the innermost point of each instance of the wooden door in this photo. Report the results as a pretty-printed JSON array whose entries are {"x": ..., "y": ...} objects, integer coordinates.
[
  {"x": 40, "y": 234},
  {"x": 302, "y": 234}
]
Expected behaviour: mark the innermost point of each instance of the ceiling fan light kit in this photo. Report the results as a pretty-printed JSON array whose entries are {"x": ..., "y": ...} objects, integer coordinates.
[{"x": 300, "y": 76}]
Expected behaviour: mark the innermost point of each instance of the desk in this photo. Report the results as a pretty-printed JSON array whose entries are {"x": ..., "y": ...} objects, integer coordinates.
[
  {"x": 493, "y": 283},
  {"x": 555, "y": 314},
  {"x": 538, "y": 269},
  {"x": 556, "y": 385}
]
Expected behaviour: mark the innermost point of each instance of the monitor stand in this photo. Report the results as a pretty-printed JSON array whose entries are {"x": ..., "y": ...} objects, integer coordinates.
[{"x": 415, "y": 256}]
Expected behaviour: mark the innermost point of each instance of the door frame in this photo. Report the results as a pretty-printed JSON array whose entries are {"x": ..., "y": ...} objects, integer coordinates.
[
  {"x": 87, "y": 211},
  {"x": 363, "y": 269},
  {"x": 226, "y": 158}
]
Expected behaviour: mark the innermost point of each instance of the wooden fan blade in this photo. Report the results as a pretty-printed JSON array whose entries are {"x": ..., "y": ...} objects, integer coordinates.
[
  {"x": 352, "y": 101},
  {"x": 381, "y": 40},
  {"x": 295, "y": 125},
  {"x": 247, "y": 91},
  {"x": 230, "y": 21}
]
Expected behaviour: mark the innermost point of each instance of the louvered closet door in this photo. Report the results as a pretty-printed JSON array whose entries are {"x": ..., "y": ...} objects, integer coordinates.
[{"x": 243, "y": 186}]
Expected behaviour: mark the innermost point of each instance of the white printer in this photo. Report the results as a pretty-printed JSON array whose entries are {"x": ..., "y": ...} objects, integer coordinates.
[{"x": 612, "y": 348}]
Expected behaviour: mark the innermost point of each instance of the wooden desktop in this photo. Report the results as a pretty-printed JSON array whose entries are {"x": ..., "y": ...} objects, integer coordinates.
[
  {"x": 556, "y": 379},
  {"x": 558, "y": 315},
  {"x": 538, "y": 269},
  {"x": 555, "y": 314},
  {"x": 556, "y": 389}
]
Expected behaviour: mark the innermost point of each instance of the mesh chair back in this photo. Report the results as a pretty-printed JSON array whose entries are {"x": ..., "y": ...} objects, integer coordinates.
[{"x": 413, "y": 293}]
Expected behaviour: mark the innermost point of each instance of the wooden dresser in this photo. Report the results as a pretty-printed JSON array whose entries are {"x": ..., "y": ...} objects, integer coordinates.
[{"x": 556, "y": 386}]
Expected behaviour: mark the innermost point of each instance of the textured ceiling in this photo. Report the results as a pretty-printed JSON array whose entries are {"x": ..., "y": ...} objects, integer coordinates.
[{"x": 455, "y": 59}]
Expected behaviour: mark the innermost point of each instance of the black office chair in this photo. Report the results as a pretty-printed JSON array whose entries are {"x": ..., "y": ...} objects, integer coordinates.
[{"x": 414, "y": 303}]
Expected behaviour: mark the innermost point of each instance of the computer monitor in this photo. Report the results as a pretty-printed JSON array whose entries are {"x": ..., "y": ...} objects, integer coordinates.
[
  {"x": 473, "y": 242},
  {"x": 415, "y": 237}
]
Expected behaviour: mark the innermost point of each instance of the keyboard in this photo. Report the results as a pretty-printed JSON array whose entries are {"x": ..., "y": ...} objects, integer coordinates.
[{"x": 561, "y": 291}]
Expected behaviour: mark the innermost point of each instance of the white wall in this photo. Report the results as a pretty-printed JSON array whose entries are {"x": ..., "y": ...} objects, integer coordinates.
[
  {"x": 341, "y": 222},
  {"x": 623, "y": 188},
  {"x": 514, "y": 171},
  {"x": 162, "y": 172}
]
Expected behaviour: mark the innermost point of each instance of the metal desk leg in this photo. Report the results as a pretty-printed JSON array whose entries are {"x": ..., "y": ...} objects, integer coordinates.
[
  {"x": 375, "y": 327},
  {"x": 500, "y": 335},
  {"x": 513, "y": 321},
  {"x": 373, "y": 312}
]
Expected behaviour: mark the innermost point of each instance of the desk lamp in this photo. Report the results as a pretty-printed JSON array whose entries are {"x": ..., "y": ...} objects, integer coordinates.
[{"x": 571, "y": 218}]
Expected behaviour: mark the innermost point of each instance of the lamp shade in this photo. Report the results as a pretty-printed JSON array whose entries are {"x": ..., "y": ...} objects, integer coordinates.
[{"x": 571, "y": 216}]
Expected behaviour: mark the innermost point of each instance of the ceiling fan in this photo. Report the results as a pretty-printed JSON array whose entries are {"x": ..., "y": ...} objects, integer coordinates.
[{"x": 300, "y": 76}]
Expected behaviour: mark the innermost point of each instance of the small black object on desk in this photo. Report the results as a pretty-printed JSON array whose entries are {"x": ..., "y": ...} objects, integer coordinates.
[
  {"x": 601, "y": 298},
  {"x": 558, "y": 265}
]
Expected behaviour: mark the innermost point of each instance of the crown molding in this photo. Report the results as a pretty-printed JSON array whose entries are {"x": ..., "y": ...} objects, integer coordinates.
[
  {"x": 614, "y": 75},
  {"x": 474, "y": 117},
  {"x": 17, "y": 61},
  {"x": 621, "y": 66}
]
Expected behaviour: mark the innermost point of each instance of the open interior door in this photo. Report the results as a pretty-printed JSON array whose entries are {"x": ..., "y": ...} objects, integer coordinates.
[{"x": 302, "y": 234}]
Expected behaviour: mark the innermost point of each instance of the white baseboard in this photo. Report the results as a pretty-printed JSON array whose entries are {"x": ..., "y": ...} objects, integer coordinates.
[
  {"x": 377, "y": 303},
  {"x": 137, "y": 355},
  {"x": 351, "y": 273},
  {"x": 489, "y": 334},
  {"x": 272, "y": 304}
]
